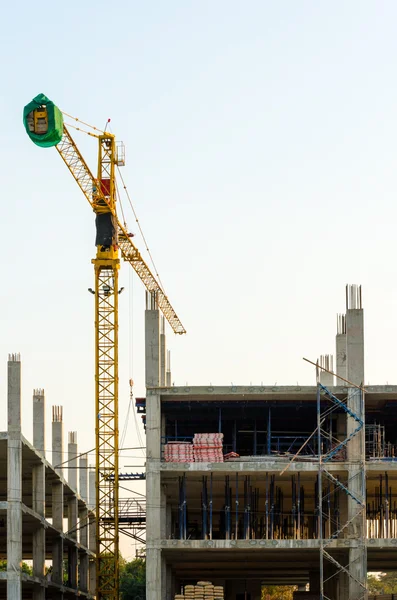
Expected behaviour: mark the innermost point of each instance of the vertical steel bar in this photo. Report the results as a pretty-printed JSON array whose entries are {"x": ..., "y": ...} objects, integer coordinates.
[
  {"x": 319, "y": 501},
  {"x": 269, "y": 431}
]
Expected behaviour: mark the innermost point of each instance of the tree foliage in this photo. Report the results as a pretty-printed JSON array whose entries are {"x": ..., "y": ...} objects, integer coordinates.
[
  {"x": 25, "y": 568},
  {"x": 133, "y": 580},
  {"x": 278, "y": 592},
  {"x": 384, "y": 583}
]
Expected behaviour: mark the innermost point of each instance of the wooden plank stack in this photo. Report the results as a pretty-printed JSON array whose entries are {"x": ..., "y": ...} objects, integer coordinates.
[{"x": 208, "y": 447}]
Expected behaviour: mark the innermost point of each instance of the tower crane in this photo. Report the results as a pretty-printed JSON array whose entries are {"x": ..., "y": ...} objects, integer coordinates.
[{"x": 44, "y": 125}]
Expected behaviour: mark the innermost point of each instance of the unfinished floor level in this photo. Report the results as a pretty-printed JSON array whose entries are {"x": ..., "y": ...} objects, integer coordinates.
[
  {"x": 253, "y": 485},
  {"x": 47, "y": 529}
]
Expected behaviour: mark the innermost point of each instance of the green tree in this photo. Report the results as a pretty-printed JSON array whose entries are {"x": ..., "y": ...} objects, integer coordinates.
[
  {"x": 278, "y": 592},
  {"x": 133, "y": 580},
  {"x": 25, "y": 568},
  {"x": 384, "y": 583}
]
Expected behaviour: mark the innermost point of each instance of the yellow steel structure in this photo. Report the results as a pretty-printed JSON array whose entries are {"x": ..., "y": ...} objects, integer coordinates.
[{"x": 101, "y": 195}]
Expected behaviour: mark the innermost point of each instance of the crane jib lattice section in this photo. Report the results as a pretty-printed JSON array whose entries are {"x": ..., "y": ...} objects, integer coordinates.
[
  {"x": 87, "y": 182},
  {"x": 106, "y": 293}
]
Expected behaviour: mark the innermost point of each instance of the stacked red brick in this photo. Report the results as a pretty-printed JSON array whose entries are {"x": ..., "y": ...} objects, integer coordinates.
[
  {"x": 178, "y": 452},
  {"x": 208, "y": 447}
]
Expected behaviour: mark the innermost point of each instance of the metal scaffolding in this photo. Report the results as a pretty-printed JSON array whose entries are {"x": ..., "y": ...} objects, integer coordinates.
[{"x": 353, "y": 488}]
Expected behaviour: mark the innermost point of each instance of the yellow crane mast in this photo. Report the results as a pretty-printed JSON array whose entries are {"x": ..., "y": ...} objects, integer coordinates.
[{"x": 44, "y": 125}]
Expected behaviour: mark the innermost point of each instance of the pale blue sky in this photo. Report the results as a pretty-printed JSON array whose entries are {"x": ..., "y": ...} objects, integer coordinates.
[{"x": 261, "y": 156}]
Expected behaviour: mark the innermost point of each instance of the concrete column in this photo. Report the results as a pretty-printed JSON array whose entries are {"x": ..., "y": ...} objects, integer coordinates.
[
  {"x": 72, "y": 509},
  {"x": 83, "y": 572},
  {"x": 164, "y": 578},
  {"x": 168, "y": 585},
  {"x": 152, "y": 342},
  {"x": 83, "y": 478},
  {"x": 154, "y": 498},
  {"x": 38, "y": 505},
  {"x": 327, "y": 362},
  {"x": 341, "y": 350},
  {"x": 84, "y": 557},
  {"x": 57, "y": 440},
  {"x": 356, "y": 446},
  {"x": 14, "y": 480},
  {"x": 355, "y": 335},
  {"x": 163, "y": 354},
  {"x": 83, "y": 522},
  {"x": 39, "y": 421},
  {"x": 57, "y": 521},
  {"x": 72, "y": 460},
  {"x": 72, "y": 550},
  {"x": 91, "y": 489},
  {"x": 168, "y": 372},
  {"x": 92, "y": 547}
]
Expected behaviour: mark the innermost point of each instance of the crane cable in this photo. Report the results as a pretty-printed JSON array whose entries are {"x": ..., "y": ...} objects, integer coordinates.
[
  {"x": 121, "y": 206},
  {"x": 82, "y": 130},
  {"x": 82, "y": 122},
  {"x": 124, "y": 186},
  {"x": 131, "y": 358},
  {"x": 141, "y": 231}
]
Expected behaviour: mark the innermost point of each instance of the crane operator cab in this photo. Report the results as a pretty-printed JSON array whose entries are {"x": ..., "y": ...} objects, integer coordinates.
[
  {"x": 37, "y": 121},
  {"x": 43, "y": 122}
]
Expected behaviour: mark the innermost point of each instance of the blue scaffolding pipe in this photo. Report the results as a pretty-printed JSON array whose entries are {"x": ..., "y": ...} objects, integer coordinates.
[
  {"x": 204, "y": 502},
  {"x": 227, "y": 508},
  {"x": 211, "y": 506},
  {"x": 236, "y": 498}
]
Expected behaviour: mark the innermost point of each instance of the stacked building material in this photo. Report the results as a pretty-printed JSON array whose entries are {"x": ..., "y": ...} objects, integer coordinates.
[
  {"x": 208, "y": 447},
  {"x": 204, "y": 590},
  {"x": 231, "y": 455},
  {"x": 189, "y": 592},
  {"x": 178, "y": 452},
  {"x": 218, "y": 592}
]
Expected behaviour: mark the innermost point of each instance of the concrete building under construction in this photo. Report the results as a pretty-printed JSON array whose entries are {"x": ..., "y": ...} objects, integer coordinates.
[
  {"x": 303, "y": 490},
  {"x": 44, "y": 521}
]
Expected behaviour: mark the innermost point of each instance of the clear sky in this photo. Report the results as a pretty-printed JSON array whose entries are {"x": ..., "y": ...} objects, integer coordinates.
[{"x": 261, "y": 157}]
